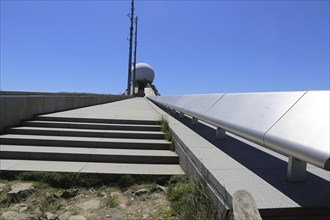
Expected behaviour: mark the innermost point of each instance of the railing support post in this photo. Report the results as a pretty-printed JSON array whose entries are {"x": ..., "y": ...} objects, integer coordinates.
[
  {"x": 296, "y": 170},
  {"x": 173, "y": 111},
  {"x": 194, "y": 121},
  {"x": 181, "y": 115},
  {"x": 220, "y": 134}
]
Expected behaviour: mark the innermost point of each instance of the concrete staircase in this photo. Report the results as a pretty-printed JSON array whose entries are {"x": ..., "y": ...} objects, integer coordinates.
[{"x": 88, "y": 145}]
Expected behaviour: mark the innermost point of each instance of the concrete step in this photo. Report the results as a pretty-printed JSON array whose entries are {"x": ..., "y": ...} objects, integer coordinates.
[
  {"x": 23, "y": 152},
  {"x": 118, "y": 138},
  {"x": 63, "y": 141},
  {"x": 80, "y": 125},
  {"x": 90, "y": 167},
  {"x": 96, "y": 120},
  {"x": 87, "y": 132}
]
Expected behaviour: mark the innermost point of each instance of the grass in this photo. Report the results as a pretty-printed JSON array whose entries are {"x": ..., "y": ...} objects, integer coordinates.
[
  {"x": 7, "y": 199},
  {"x": 4, "y": 198},
  {"x": 111, "y": 202},
  {"x": 165, "y": 127},
  {"x": 190, "y": 199},
  {"x": 44, "y": 193},
  {"x": 47, "y": 201}
]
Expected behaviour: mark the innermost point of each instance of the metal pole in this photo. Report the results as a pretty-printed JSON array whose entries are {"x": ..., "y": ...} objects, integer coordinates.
[
  {"x": 130, "y": 51},
  {"x": 135, "y": 46}
]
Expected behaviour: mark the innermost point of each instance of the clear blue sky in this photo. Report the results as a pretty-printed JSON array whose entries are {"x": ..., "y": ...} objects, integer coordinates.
[{"x": 193, "y": 46}]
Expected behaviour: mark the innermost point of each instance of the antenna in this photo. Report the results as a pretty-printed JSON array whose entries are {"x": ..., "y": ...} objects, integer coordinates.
[
  {"x": 135, "y": 46},
  {"x": 130, "y": 51}
]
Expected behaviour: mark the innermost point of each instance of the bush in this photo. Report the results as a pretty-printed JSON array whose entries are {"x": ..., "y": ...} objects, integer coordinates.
[
  {"x": 111, "y": 202},
  {"x": 190, "y": 199},
  {"x": 165, "y": 127}
]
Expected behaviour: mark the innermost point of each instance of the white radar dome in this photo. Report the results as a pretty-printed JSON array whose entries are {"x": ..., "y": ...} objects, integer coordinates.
[{"x": 144, "y": 73}]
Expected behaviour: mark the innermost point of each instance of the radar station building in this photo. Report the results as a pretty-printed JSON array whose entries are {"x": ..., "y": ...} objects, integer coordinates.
[{"x": 142, "y": 82}]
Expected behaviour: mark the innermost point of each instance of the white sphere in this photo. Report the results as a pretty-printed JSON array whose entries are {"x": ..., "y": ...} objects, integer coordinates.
[{"x": 144, "y": 73}]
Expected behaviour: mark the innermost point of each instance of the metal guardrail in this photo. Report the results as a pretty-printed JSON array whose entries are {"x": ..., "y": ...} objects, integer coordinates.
[{"x": 295, "y": 124}]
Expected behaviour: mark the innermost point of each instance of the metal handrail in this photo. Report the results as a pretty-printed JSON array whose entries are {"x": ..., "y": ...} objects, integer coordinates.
[{"x": 294, "y": 124}]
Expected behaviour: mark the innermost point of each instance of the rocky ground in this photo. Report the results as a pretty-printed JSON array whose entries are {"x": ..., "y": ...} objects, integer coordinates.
[{"x": 21, "y": 199}]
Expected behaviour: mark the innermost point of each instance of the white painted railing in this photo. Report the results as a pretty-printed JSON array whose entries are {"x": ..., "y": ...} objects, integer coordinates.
[{"x": 295, "y": 124}]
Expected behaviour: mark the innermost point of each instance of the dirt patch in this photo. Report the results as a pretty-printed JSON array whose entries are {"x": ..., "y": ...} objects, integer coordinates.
[{"x": 138, "y": 201}]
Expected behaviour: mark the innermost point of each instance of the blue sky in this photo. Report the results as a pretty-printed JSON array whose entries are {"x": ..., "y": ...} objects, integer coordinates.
[{"x": 193, "y": 46}]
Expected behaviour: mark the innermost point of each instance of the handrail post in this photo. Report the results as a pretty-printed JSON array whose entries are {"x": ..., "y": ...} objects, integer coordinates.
[
  {"x": 194, "y": 120},
  {"x": 296, "y": 170},
  {"x": 173, "y": 111},
  {"x": 221, "y": 133}
]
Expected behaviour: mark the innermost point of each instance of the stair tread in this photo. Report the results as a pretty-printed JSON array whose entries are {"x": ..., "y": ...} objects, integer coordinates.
[
  {"x": 90, "y": 151},
  {"x": 93, "y": 139},
  {"x": 90, "y": 167},
  {"x": 86, "y": 130},
  {"x": 92, "y": 123},
  {"x": 95, "y": 119}
]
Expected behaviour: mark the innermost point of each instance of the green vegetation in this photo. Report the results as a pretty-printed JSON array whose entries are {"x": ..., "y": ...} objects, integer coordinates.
[
  {"x": 167, "y": 131},
  {"x": 139, "y": 193},
  {"x": 4, "y": 199},
  {"x": 111, "y": 202},
  {"x": 181, "y": 199},
  {"x": 47, "y": 198},
  {"x": 190, "y": 199}
]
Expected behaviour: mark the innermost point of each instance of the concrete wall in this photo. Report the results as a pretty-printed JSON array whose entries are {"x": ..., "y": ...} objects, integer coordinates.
[
  {"x": 17, "y": 106},
  {"x": 47, "y": 93}
]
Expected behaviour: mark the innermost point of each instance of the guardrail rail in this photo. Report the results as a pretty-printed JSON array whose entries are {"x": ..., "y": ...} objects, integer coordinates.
[{"x": 294, "y": 124}]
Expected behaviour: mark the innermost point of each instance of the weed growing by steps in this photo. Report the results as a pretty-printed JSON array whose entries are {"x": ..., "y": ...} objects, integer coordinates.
[
  {"x": 111, "y": 202},
  {"x": 190, "y": 199},
  {"x": 167, "y": 131}
]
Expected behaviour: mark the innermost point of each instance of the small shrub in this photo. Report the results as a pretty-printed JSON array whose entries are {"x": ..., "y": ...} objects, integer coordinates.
[
  {"x": 169, "y": 135},
  {"x": 165, "y": 127},
  {"x": 111, "y": 202},
  {"x": 190, "y": 199},
  {"x": 4, "y": 200}
]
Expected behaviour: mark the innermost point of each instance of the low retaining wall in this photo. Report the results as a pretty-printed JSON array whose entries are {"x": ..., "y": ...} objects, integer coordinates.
[{"x": 17, "y": 106}]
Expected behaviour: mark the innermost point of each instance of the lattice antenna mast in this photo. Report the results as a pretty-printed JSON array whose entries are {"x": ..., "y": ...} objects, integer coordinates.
[
  {"x": 135, "y": 46},
  {"x": 129, "y": 80}
]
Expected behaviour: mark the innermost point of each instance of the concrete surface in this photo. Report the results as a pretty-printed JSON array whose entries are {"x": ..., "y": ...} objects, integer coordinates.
[
  {"x": 80, "y": 125},
  {"x": 84, "y": 140},
  {"x": 66, "y": 141},
  {"x": 90, "y": 151},
  {"x": 88, "y": 167},
  {"x": 25, "y": 152},
  {"x": 87, "y": 132},
  {"x": 132, "y": 109}
]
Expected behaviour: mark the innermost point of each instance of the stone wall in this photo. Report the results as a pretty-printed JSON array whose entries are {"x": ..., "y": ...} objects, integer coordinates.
[{"x": 17, "y": 106}]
